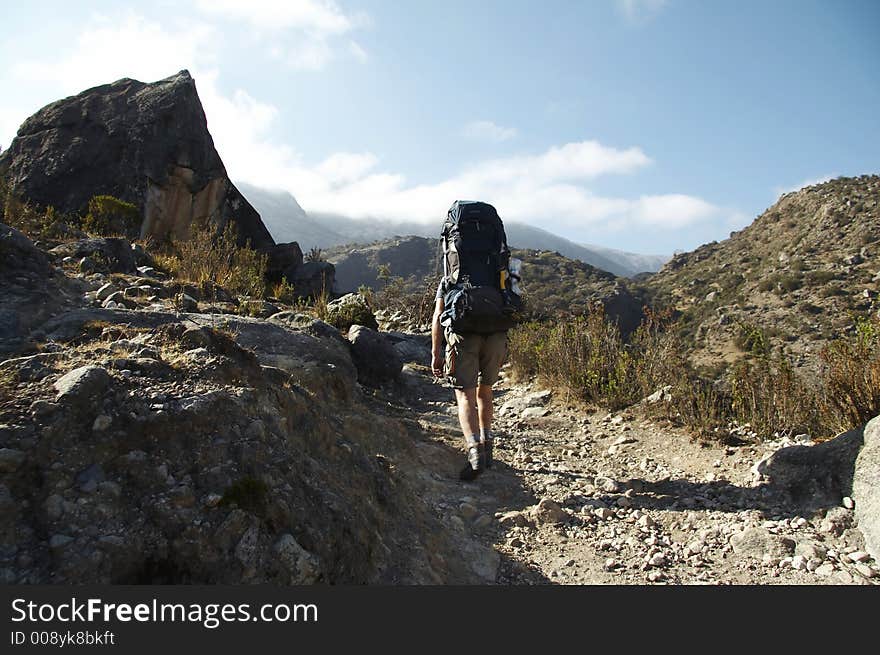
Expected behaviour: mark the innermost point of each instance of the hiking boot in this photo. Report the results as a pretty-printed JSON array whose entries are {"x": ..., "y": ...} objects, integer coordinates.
[
  {"x": 487, "y": 452},
  {"x": 474, "y": 464}
]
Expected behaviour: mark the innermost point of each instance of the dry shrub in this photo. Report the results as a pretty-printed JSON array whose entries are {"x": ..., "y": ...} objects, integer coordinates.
[
  {"x": 772, "y": 398},
  {"x": 852, "y": 376},
  {"x": 413, "y": 298},
  {"x": 209, "y": 255},
  {"x": 37, "y": 224}
]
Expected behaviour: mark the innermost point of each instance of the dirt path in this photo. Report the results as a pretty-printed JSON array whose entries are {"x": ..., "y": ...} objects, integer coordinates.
[{"x": 599, "y": 498}]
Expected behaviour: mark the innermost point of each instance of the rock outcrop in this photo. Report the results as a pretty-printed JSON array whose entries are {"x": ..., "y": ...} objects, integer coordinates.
[
  {"x": 147, "y": 144},
  {"x": 866, "y": 488}
]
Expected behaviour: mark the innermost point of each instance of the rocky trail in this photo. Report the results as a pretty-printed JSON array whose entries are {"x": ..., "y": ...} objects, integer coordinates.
[{"x": 586, "y": 498}]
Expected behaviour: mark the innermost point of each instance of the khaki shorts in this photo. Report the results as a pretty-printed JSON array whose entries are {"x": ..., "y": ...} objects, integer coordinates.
[{"x": 473, "y": 359}]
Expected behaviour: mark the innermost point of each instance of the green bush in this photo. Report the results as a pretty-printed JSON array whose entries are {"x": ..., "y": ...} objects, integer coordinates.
[{"x": 109, "y": 216}]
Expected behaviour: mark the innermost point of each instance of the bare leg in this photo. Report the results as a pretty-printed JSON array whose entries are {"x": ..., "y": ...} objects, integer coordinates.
[
  {"x": 470, "y": 426},
  {"x": 468, "y": 415},
  {"x": 484, "y": 406}
]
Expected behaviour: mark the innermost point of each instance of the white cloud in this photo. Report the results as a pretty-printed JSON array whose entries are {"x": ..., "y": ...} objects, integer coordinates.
[
  {"x": 305, "y": 34},
  {"x": 778, "y": 191},
  {"x": 640, "y": 9},
  {"x": 140, "y": 49},
  {"x": 318, "y": 16},
  {"x": 359, "y": 53},
  {"x": 489, "y": 131}
]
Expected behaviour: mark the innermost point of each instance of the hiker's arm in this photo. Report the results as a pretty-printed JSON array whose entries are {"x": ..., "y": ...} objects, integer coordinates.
[{"x": 437, "y": 340}]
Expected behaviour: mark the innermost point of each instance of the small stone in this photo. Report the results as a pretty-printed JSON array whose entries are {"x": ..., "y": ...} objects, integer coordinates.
[
  {"x": 610, "y": 564},
  {"x": 105, "y": 292},
  {"x": 212, "y": 500},
  {"x": 483, "y": 521},
  {"x": 10, "y": 459},
  {"x": 513, "y": 519},
  {"x": 54, "y": 507},
  {"x": 101, "y": 423},
  {"x": 535, "y": 412},
  {"x": 864, "y": 570},
  {"x": 623, "y": 501},
  {"x": 824, "y": 570},
  {"x": 798, "y": 562},
  {"x": 858, "y": 556},
  {"x": 658, "y": 559},
  {"x": 645, "y": 521},
  {"x": 848, "y": 502},
  {"x": 695, "y": 547},
  {"x": 82, "y": 384},
  {"x": 467, "y": 511},
  {"x": 58, "y": 541},
  {"x": 603, "y": 513},
  {"x": 549, "y": 511},
  {"x": 606, "y": 484},
  {"x": 656, "y": 576},
  {"x": 256, "y": 430}
]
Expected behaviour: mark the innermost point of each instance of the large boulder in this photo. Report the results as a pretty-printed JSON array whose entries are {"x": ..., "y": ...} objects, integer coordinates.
[
  {"x": 351, "y": 309},
  {"x": 818, "y": 476},
  {"x": 374, "y": 356},
  {"x": 147, "y": 144},
  {"x": 113, "y": 255},
  {"x": 283, "y": 257},
  {"x": 312, "y": 278},
  {"x": 866, "y": 488}
]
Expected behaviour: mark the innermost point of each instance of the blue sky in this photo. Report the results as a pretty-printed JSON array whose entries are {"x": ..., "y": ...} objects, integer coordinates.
[{"x": 645, "y": 125}]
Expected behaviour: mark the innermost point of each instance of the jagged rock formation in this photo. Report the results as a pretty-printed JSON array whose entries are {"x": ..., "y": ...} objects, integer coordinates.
[
  {"x": 798, "y": 272},
  {"x": 147, "y": 144}
]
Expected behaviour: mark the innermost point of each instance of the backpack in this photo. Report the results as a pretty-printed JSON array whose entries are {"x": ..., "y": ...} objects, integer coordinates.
[{"x": 477, "y": 285}]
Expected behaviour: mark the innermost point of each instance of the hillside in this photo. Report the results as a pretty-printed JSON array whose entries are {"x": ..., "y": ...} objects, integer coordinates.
[
  {"x": 552, "y": 284},
  {"x": 798, "y": 273}
]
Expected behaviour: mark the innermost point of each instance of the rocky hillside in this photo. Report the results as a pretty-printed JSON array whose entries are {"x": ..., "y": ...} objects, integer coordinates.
[
  {"x": 412, "y": 258},
  {"x": 148, "y": 434},
  {"x": 798, "y": 273}
]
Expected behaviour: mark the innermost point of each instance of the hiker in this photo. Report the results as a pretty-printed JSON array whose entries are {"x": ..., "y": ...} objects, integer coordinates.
[{"x": 473, "y": 310}]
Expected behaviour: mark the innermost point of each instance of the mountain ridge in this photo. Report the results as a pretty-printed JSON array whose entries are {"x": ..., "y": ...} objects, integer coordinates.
[{"x": 287, "y": 221}]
